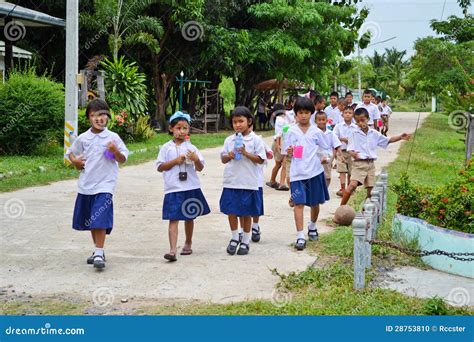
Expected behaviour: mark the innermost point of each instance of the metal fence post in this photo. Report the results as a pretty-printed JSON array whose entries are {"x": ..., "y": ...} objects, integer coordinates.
[{"x": 358, "y": 231}]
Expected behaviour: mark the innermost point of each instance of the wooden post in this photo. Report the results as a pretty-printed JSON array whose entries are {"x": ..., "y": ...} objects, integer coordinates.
[
  {"x": 358, "y": 231},
  {"x": 100, "y": 84}
]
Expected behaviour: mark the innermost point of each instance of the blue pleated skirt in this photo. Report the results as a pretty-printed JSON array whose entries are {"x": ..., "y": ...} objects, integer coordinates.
[
  {"x": 310, "y": 192},
  {"x": 241, "y": 202},
  {"x": 185, "y": 205},
  {"x": 93, "y": 212}
]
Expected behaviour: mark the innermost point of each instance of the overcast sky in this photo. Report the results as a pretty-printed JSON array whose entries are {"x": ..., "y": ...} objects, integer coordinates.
[{"x": 404, "y": 19}]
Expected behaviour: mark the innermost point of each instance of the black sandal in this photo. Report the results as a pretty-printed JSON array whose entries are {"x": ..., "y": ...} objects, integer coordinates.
[
  {"x": 243, "y": 249},
  {"x": 300, "y": 244},
  {"x": 232, "y": 247},
  {"x": 170, "y": 257},
  {"x": 99, "y": 261},
  {"x": 313, "y": 235},
  {"x": 256, "y": 234}
]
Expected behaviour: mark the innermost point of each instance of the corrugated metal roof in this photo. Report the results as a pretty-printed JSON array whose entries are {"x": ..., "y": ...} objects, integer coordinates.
[
  {"x": 28, "y": 17},
  {"x": 17, "y": 52}
]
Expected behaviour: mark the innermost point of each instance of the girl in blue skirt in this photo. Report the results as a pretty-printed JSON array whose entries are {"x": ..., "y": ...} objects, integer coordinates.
[
  {"x": 242, "y": 153},
  {"x": 97, "y": 154},
  {"x": 179, "y": 160},
  {"x": 308, "y": 184}
]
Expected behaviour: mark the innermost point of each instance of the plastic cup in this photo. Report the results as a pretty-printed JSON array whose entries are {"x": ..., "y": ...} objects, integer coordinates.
[
  {"x": 109, "y": 155},
  {"x": 298, "y": 151}
]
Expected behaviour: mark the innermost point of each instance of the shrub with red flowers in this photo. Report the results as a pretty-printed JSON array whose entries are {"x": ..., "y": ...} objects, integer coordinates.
[{"x": 448, "y": 206}]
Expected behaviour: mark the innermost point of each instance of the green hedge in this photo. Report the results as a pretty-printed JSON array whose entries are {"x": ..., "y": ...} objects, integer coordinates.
[{"x": 31, "y": 113}]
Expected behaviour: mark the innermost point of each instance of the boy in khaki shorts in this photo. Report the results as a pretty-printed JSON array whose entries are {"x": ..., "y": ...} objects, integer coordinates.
[
  {"x": 343, "y": 131},
  {"x": 362, "y": 147}
]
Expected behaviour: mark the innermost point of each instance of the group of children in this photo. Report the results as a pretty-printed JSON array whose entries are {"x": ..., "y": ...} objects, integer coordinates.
[{"x": 306, "y": 141}]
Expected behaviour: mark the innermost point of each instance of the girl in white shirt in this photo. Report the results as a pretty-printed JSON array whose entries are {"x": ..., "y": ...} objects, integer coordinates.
[
  {"x": 308, "y": 185},
  {"x": 96, "y": 153},
  {"x": 240, "y": 195},
  {"x": 179, "y": 160}
]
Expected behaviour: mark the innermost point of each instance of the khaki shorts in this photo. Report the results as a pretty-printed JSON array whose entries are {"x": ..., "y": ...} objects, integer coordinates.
[
  {"x": 276, "y": 152},
  {"x": 328, "y": 169},
  {"x": 385, "y": 119},
  {"x": 363, "y": 171},
  {"x": 347, "y": 165}
]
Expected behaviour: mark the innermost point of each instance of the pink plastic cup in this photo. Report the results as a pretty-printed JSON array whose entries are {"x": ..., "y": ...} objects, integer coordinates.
[{"x": 298, "y": 151}]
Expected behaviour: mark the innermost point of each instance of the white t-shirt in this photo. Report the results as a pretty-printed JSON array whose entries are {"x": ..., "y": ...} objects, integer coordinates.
[
  {"x": 342, "y": 130},
  {"x": 280, "y": 122},
  {"x": 243, "y": 173},
  {"x": 386, "y": 110},
  {"x": 334, "y": 114},
  {"x": 366, "y": 144},
  {"x": 332, "y": 142},
  {"x": 373, "y": 110},
  {"x": 100, "y": 174},
  {"x": 290, "y": 117},
  {"x": 170, "y": 151},
  {"x": 313, "y": 140}
]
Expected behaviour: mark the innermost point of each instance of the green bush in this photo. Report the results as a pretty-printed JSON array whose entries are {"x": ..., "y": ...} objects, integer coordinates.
[
  {"x": 31, "y": 113},
  {"x": 449, "y": 206},
  {"x": 125, "y": 86}
]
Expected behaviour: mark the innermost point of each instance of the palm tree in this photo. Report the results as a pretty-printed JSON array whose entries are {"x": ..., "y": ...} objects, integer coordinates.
[
  {"x": 378, "y": 62},
  {"x": 395, "y": 65}
]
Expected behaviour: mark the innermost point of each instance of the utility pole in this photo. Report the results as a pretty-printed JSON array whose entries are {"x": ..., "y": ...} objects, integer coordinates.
[{"x": 72, "y": 61}]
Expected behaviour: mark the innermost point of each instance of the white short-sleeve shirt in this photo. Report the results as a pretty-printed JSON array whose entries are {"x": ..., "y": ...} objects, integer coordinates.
[
  {"x": 334, "y": 114},
  {"x": 313, "y": 140},
  {"x": 243, "y": 173},
  {"x": 373, "y": 110},
  {"x": 332, "y": 142},
  {"x": 100, "y": 174},
  {"x": 170, "y": 151},
  {"x": 366, "y": 144},
  {"x": 343, "y": 130},
  {"x": 280, "y": 122},
  {"x": 290, "y": 117},
  {"x": 386, "y": 110}
]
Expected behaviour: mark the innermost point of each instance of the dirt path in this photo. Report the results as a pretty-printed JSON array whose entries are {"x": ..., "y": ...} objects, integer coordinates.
[{"x": 42, "y": 255}]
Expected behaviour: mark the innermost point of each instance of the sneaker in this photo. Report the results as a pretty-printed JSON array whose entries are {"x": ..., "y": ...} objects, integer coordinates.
[
  {"x": 90, "y": 260},
  {"x": 232, "y": 247},
  {"x": 256, "y": 234},
  {"x": 313, "y": 235},
  {"x": 243, "y": 249},
  {"x": 99, "y": 261}
]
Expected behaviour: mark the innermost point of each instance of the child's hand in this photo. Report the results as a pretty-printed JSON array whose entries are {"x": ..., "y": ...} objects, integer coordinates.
[
  {"x": 324, "y": 160},
  {"x": 344, "y": 140},
  {"x": 79, "y": 163},
  {"x": 180, "y": 160},
  {"x": 405, "y": 136},
  {"x": 242, "y": 151},
  {"x": 231, "y": 155},
  {"x": 112, "y": 147},
  {"x": 342, "y": 159},
  {"x": 289, "y": 151},
  {"x": 192, "y": 156},
  {"x": 354, "y": 154}
]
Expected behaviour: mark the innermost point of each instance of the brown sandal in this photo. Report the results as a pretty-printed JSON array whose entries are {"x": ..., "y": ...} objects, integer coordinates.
[
  {"x": 170, "y": 257},
  {"x": 186, "y": 251}
]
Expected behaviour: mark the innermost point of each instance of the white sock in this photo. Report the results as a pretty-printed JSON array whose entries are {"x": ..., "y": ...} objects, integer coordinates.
[
  {"x": 300, "y": 235},
  {"x": 240, "y": 230},
  {"x": 312, "y": 225},
  {"x": 246, "y": 238},
  {"x": 235, "y": 235},
  {"x": 255, "y": 225},
  {"x": 99, "y": 251}
]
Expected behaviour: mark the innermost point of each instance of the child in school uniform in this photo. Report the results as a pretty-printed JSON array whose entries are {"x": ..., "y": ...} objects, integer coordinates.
[
  {"x": 319, "y": 104},
  {"x": 362, "y": 147},
  {"x": 334, "y": 115},
  {"x": 343, "y": 131},
  {"x": 280, "y": 121},
  {"x": 374, "y": 114},
  {"x": 386, "y": 112},
  {"x": 308, "y": 184},
  {"x": 179, "y": 161},
  {"x": 240, "y": 194},
  {"x": 328, "y": 154},
  {"x": 97, "y": 154}
]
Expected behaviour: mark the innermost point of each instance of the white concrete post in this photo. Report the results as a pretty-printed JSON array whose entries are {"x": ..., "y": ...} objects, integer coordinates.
[
  {"x": 358, "y": 231},
  {"x": 369, "y": 214}
]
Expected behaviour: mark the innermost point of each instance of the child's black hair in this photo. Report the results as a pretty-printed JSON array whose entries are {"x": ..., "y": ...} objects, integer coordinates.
[
  {"x": 348, "y": 108},
  {"x": 348, "y": 93},
  {"x": 319, "y": 99},
  {"x": 97, "y": 105},
  {"x": 362, "y": 111},
  {"x": 242, "y": 111},
  {"x": 354, "y": 106},
  {"x": 378, "y": 99},
  {"x": 313, "y": 94},
  {"x": 303, "y": 103},
  {"x": 368, "y": 91},
  {"x": 321, "y": 112},
  {"x": 175, "y": 121},
  {"x": 278, "y": 109},
  {"x": 334, "y": 93}
]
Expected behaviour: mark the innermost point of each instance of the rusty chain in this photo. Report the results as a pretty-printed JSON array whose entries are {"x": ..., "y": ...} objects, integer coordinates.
[{"x": 422, "y": 253}]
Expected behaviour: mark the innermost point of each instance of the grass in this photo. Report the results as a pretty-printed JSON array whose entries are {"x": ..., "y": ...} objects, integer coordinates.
[
  {"x": 409, "y": 106},
  {"x": 26, "y": 170}
]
